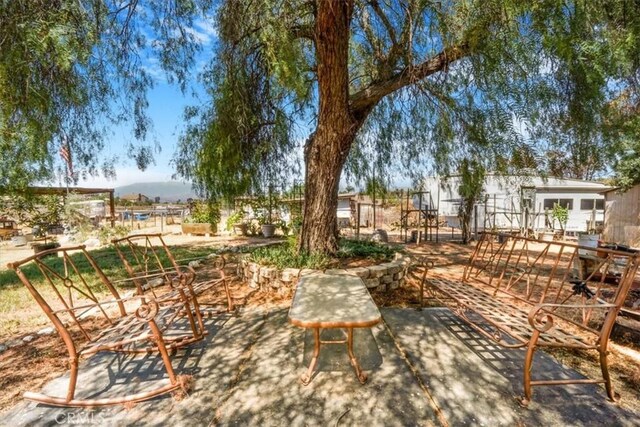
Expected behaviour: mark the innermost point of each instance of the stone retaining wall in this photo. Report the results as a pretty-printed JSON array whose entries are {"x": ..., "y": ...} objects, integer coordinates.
[{"x": 381, "y": 277}]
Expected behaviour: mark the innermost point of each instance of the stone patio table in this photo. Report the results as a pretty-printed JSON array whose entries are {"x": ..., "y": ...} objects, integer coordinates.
[{"x": 331, "y": 301}]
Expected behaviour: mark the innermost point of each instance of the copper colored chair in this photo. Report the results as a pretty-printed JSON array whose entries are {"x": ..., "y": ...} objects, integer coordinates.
[
  {"x": 150, "y": 265},
  {"x": 135, "y": 324}
]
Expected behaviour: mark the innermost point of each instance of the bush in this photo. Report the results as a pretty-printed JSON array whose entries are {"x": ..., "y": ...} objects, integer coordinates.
[
  {"x": 235, "y": 218},
  {"x": 286, "y": 256},
  {"x": 365, "y": 249},
  {"x": 106, "y": 234},
  {"x": 204, "y": 213}
]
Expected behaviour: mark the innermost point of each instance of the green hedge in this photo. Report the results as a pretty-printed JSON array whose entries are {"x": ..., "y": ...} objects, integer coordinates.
[{"x": 285, "y": 255}]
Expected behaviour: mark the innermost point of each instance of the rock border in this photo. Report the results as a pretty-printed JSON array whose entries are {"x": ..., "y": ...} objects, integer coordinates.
[{"x": 381, "y": 277}]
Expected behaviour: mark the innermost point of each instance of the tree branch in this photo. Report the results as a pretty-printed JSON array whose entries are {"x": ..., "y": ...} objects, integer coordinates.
[
  {"x": 385, "y": 20},
  {"x": 368, "y": 97}
]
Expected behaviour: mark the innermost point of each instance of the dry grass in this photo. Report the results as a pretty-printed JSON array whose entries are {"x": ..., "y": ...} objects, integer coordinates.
[{"x": 28, "y": 367}]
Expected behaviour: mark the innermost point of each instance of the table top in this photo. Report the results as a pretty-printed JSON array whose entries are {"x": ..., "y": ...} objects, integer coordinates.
[{"x": 333, "y": 301}]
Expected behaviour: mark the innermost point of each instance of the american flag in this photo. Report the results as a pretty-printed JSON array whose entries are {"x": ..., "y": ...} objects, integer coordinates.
[{"x": 65, "y": 153}]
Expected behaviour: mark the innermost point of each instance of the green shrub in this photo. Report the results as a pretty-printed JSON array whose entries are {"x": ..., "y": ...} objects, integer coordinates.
[
  {"x": 286, "y": 256},
  {"x": 235, "y": 218},
  {"x": 366, "y": 249},
  {"x": 106, "y": 234},
  {"x": 204, "y": 213}
]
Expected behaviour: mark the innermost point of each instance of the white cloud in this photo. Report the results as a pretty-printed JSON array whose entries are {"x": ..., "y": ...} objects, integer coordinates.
[
  {"x": 203, "y": 31},
  {"x": 153, "y": 69}
]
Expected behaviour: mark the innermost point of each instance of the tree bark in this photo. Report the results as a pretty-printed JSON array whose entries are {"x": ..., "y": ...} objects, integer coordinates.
[
  {"x": 327, "y": 149},
  {"x": 340, "y": 118}
]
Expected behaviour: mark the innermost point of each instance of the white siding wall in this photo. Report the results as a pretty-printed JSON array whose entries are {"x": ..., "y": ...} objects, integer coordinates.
[{"x": 504, "y": 198}]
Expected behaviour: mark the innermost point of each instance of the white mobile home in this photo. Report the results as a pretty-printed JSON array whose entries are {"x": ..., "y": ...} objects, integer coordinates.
[{"x": 523, "y": 202}]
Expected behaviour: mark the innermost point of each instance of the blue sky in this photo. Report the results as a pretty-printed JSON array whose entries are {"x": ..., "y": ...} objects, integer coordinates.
[{"x": 166, "y": 106}]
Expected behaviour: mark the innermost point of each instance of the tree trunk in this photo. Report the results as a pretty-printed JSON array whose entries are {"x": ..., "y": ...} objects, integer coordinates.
[
  {"x": 327, "y": 149},
  {"x": 464, "y": 214}
]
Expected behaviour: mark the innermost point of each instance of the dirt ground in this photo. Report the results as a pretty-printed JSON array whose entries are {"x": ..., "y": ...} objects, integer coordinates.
[{"x": 29, "y": 366}]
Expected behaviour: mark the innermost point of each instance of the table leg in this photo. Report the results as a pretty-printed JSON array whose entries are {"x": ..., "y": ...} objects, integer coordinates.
[
  {"x": 362, "y": 377},
  {"x": 306, "y": 378}
]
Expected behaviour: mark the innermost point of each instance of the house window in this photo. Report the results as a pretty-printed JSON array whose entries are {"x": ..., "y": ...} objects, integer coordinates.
[
  {"x": 565, "y": 203},
  {"x": 548, "y": 203},
  {"x": 588, "y": 204}
]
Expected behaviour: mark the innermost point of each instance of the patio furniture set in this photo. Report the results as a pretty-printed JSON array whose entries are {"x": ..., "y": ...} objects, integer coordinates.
[{"x": 516, "y": 295}]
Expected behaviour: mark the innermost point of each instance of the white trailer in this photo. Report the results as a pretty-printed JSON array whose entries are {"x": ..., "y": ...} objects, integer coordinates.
[{"x": 524, "y": 202}]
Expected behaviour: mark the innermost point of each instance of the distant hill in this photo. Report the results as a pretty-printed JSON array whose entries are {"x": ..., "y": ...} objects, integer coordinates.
[{"x": 170, "y": 191}]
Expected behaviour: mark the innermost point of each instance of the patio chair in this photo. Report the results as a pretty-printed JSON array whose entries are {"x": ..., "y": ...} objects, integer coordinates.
[
  {"x": 150, "y": 265},
  {"x": 135, "y": 324}
]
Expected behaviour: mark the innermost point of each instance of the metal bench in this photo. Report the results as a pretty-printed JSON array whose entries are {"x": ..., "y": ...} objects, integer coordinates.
[
  {"x": 522, "y": 293},
  {"x": 68, "y": 295}
]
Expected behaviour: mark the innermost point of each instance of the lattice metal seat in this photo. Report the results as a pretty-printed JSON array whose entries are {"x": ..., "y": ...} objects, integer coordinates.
[
  {"x": 507, "y": 318},
  {"x": 68, "y": 295}
]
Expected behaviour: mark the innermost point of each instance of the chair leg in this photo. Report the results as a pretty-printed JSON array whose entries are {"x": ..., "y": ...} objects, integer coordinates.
[
  {"x": 198, "y": 311},
  {"x": 528, "y": 361},
  {"x": 229, "y": 300},
  {"x": 197, "y": 330},
  {"x": 162, "y": 349},
  {"x": 73, "y": 378},
  {"x": 604, "y": 366}
]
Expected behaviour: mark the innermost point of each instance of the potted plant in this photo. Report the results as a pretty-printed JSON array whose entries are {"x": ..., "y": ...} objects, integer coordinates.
[
  {"x": 264, "y": 210},
  {"x": 203, "y": 219},
  {"x": 266, "y": 225},
  {"x": 236, "y": 222},
  {"x": 561, "y": 214}
]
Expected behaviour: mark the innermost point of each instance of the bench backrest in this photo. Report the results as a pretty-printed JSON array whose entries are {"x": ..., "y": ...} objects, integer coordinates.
[
  {"x": 150, "y": 263},
  {"x": 66, "y": 282},
  {"x": 553, "y": 272}
]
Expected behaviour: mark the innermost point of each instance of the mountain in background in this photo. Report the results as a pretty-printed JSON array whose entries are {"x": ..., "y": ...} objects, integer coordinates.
[{"x": 170, "y": 191}]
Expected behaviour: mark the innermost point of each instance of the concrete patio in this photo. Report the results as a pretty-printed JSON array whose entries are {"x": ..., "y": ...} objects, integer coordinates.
[{"x": 425, "y": 368}]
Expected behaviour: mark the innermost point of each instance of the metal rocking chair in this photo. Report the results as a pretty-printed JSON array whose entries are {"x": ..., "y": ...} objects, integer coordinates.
[
  {"x": 150, "y": 264},
  {"x": 135, "y": 324}
]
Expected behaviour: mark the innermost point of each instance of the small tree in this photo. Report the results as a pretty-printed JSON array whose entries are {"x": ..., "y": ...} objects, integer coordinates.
[
  {"x": 206, "y": 213},
  {"x": 472, "y": 175},
  {"x": 560, "y": 213}
]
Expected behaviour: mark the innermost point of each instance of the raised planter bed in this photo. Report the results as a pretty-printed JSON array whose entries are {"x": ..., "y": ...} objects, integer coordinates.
[
  {"x": 198, "y": 229},
  {"x": 382, "y": 277}
]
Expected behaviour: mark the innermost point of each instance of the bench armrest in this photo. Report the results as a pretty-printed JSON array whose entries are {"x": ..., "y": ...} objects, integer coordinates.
[
  {"x": 422, "y": 261},
  {"x": 541, "y": 318}
]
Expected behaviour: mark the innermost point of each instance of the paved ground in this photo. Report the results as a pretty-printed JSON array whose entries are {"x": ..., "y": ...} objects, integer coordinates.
[{"x": 426, "y": 368}]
